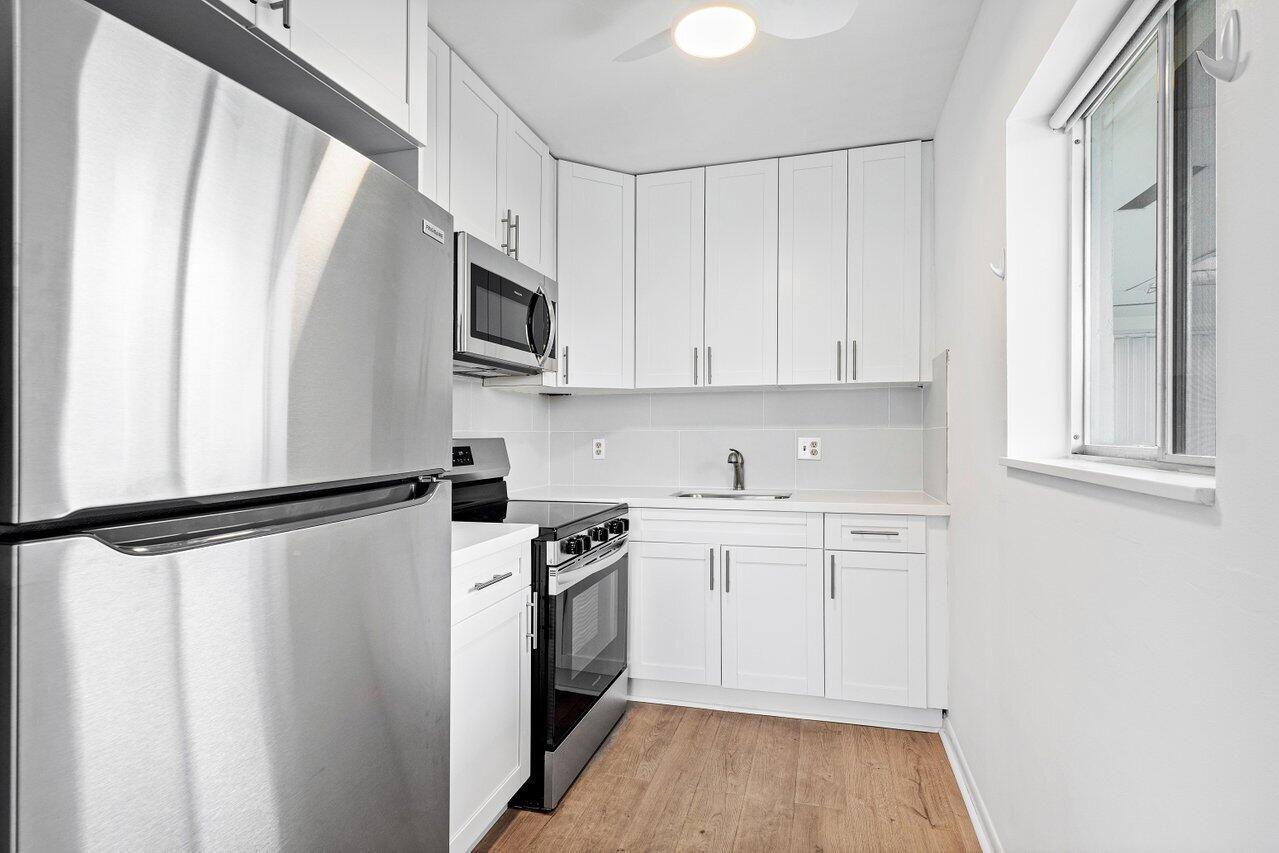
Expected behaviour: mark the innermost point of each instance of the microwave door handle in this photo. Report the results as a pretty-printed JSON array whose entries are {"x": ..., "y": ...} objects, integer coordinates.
[
  {"x": 528, "y": 329},
  {"x": 553, "y": 334}
]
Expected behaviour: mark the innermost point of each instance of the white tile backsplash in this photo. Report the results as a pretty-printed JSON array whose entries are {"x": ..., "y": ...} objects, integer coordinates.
[{"x": 872, "y": 438}]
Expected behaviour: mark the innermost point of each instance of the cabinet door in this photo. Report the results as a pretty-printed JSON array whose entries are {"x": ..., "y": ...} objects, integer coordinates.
[
  {"x": 675, "y": 625},
  {"x": 670, "y": 258},
  {"x": 364, "y": 50},
  {"x": 741, "y": 274},
  {"x": 490, "y": 712},
  {"x": 477, "y": 155},
  {"x": 433, "y": 163},
  {"x": 530, "y": 180},
  {"x": 812, "y": 268},
  {"x": 884, "y": 220},
  {"x": 772, "y": 607},
  {"x": 596, "y": 277},
  {"x": 876, "y": 634}
]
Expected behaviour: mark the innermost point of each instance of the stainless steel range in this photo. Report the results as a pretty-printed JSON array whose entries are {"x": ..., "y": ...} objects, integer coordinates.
[{"x": 580, "y": 585}]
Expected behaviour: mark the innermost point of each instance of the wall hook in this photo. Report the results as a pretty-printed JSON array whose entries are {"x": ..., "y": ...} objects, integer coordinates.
[
  {"x": 1225, "y": 67},
  {"x": 1001, "y": 271}
]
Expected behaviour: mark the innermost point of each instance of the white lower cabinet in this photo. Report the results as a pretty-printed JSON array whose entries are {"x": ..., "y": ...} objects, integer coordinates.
[
  {"x": 772, "y": 619},
  {"x": 674, "y": 612},
  {"x": 876, "y": 633},
  {"x": 731, "y": 616},
  {"x": 780, "y": 614},
  {"x": 490, "y": 711}
]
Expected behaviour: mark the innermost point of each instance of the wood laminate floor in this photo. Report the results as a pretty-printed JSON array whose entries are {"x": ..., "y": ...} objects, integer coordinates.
[{"x": 673, "y": 778}]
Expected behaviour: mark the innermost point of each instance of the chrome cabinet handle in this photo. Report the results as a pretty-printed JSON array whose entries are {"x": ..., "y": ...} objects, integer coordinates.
[
  {"x": 566, "y": 365},
  {"x": 708, "y": 365},
  {"x": 695, "y": 365},
  {"x": 728, "y": 572},
  {"x": 515, "y": 226},
  {"x": 287, "y": 6},
  {"x": 712, "y": 569},
  {"x": 839, "y": 361},
  {"x": 532, "y": 624},
  {"x": 832, "y": 577},
  {"x": 873, "y": 532},
  {"x": 506, "y": 240},
  {"x": 495, "y": 579},
  {"x": 852, "y": 361}
]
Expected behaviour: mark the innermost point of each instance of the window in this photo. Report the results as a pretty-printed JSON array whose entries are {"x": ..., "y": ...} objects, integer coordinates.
[{"x": 1146, "y": 251}]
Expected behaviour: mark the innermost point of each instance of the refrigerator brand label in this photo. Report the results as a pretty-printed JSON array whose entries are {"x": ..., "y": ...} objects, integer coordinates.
[{"x": 432, "y": 231}]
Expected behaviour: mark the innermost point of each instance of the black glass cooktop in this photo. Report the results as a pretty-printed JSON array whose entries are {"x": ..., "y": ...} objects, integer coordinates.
[{"x": 555, "y": 518}]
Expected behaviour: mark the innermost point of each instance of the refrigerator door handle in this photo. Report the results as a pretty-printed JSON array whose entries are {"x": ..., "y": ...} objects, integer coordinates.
[{"x": 185, "y": 533}]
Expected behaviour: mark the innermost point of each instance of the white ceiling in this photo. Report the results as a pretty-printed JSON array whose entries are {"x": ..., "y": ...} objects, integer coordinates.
[{"x": 882, "y": 78}]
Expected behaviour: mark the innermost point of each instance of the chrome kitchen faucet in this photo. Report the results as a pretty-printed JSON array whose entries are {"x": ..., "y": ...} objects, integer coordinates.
[{"x": 737, "y": 460}]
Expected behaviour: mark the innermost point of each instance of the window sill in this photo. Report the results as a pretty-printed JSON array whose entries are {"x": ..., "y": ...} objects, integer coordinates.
[{"x": 1173, "y": 485}]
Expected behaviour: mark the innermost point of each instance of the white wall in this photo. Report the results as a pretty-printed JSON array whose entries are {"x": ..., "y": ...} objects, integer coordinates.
[
  {"x": 480, "y": 412},
  {"x": 1114, "y": 658},
  {"x": 872, "y": 438}
]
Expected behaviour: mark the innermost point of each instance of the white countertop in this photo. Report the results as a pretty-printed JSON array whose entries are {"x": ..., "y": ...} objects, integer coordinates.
[
  {"x": 875, "y": 503},
  {"x": 475, "y": 539}
]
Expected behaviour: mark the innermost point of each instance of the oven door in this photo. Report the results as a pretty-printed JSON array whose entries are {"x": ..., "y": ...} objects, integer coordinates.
[
  {"x": 586, "y": 643},
  {"x": 506, "y": 310}
]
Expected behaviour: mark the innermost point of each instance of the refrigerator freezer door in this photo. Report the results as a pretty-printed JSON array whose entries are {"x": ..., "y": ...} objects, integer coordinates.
[
  {"x": 286, "y": 691},
  {"x": 211, "y": 296}
]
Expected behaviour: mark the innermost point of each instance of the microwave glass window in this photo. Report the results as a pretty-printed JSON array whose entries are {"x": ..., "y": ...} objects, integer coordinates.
[{"x": 501, "y": 309}]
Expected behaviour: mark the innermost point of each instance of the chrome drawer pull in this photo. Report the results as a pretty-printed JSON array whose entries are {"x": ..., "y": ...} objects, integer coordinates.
[
  {"x": 873, "y": 532},
  {"x": 495, "y": 579}
]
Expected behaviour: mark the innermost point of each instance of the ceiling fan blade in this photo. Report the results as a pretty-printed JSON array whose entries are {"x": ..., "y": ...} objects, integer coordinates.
[
  {"x": 648, "y": 47},
  {"x": 803, "y": 19}
]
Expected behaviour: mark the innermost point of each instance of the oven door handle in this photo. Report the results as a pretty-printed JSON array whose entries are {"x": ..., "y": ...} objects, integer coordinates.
[{"x": 563, "y": 579}]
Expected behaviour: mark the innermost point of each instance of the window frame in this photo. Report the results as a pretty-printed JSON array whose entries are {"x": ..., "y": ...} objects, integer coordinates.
[{"x": 1158, "y": 29}]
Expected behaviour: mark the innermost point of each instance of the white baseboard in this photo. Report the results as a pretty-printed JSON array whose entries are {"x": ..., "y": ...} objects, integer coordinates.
[
  {"x": 784, "y": 705},
  {"x": 986, "y": 835}
]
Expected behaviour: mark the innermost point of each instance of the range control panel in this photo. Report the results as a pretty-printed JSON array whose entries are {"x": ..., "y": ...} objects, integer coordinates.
[{"x": 462, "y": 455}]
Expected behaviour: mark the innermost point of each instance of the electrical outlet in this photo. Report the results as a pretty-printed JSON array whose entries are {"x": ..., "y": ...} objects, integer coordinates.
[
  {"x": 810, "y": 448},
  {"x": 597, "y": 448}
]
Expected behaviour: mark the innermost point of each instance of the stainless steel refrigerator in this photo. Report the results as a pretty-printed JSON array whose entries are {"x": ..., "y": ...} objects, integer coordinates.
[{"x": 225, "y": 387}]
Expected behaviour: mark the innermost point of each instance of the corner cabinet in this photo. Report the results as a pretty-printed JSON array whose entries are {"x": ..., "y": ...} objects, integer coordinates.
[
  {"x": 741, "y": 274},
  {"x": 433, "y": 158},
  {"x": 596, "y": 277},
  {"x": 670, "y": 282}
]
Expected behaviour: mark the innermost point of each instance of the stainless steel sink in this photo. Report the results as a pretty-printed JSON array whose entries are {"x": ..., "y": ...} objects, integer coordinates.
[{"x": 746, "y": 495}]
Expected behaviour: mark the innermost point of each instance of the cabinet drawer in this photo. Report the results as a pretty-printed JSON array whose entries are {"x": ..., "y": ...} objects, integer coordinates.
[
  {"x": 488, "y": 580},
  {"x": 729, "y": 527},
  {"x": 901, "y": 533}
]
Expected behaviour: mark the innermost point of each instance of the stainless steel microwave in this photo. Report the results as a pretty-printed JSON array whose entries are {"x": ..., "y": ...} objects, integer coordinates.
[{"x": 506, "y": 321}]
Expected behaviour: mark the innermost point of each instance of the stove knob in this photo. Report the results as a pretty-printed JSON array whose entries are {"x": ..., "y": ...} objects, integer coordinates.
[
  {"x": 599, "y": 534},
  {"x": 572, "y": 545},
  {"x": 616, "y": 527}
]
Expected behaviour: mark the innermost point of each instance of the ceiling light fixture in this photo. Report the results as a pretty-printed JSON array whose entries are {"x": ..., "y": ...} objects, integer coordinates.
[{"x": 714, "y": 32}]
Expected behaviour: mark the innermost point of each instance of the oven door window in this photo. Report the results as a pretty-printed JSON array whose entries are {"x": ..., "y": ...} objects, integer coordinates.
[
  {"x": 502, "y": 310},
  {"x": 589, "y": 646}
]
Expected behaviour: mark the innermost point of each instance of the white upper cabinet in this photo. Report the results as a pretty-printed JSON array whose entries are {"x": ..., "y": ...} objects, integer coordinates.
[
  {"x": 433, "y": 158},
  {"x": 876, "y": 628},
  {"x": 674, "y": 613},
  {"x": 363, "y": 49},
  {"x": 477, "y": 155},
  {"x": 670, "y": 229},
  {"x": 812, "y": 269},
  {"x": 529, "y": 199},
  {"x": 773, "y": 620},
  {"x": 741, "y": 274},
  {"x": 596, "y": 277},
  {"x": 884, "y": 226}
]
